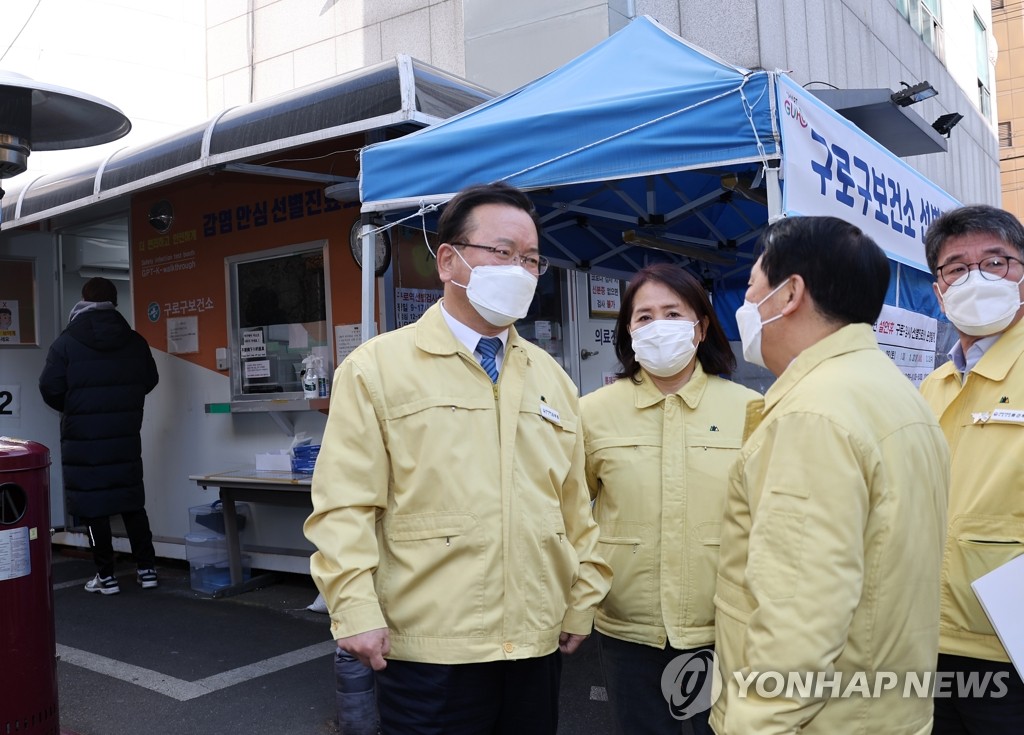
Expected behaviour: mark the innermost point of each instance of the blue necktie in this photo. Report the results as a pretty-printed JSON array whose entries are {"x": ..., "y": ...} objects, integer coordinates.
[{"x": 488, "y": 347}]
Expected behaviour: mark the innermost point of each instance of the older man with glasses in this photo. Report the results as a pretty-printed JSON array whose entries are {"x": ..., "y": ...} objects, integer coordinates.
[
  {"x": 977, "y": 255},
  {"x": 456, "y": 546}
]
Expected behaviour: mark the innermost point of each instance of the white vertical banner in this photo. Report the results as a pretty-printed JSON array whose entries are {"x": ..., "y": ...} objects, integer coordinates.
[
  {"x": 831, "y": 167},
  {"x": 909, "y": 339}
]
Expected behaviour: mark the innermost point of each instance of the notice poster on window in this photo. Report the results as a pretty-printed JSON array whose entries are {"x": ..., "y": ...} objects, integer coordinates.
[
  {"x": 257, "y": 369},
  {"x": 183, "y": 335},
  {"x": 9, "y": 331},
  {"x": 17, "y": 302},
  {"x": 908, "y": 338},
  {"x": 253, "y": 344},
  {"x": 346, "y": 338},
  {"x": 605, "y": 297}
]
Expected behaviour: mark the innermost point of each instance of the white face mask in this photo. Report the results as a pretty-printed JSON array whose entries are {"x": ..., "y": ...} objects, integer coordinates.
[
  {"x": 980, "y": 307},
  {"x": 501, "y": 294},
  {"x": 748, "y": 321},
  {"x": 665, "y": 346}
]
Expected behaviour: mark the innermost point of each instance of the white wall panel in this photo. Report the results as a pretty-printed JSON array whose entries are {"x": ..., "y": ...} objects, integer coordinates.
[
  {"x": 357, "y": 49},
  {"x": 735, "y": 40},
  {"x": 274, "y": 76},
  {"x": 506, "y": 60},
  {"x": 315, "y": 63},
  {"x": 406, "y": 34}
]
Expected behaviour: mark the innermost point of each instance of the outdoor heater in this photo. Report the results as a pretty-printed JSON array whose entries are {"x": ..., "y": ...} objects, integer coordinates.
[{"x": 35, "y": 116}]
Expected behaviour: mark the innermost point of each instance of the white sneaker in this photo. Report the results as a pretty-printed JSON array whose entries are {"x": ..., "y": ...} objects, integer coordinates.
[
  {"x": 147, "y": 578},
  {"x": 103, "y": 585}
]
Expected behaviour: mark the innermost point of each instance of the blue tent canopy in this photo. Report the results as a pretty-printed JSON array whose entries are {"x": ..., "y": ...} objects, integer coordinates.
[
  {"x": 642, "y": 103},
  {"x": 643, "y": 149}
]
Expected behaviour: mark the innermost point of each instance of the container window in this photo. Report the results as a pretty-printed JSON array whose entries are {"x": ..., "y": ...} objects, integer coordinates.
[{"x": 280, "y": 315}]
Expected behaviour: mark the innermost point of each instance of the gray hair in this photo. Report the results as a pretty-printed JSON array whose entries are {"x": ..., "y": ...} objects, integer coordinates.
[{"x": 970, "y": 219}]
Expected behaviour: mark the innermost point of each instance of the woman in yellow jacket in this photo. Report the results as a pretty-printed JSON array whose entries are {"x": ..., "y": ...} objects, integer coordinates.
[{"x": 659, "y": 442}]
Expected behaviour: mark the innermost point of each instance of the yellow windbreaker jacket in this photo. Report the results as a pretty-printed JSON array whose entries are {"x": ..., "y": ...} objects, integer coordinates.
[
  {"x": 983, "y": 419},
  {"x": 657, "y": 468},
  {"x": 452, "y": 511},
  {"x": 831, "y": 548}
]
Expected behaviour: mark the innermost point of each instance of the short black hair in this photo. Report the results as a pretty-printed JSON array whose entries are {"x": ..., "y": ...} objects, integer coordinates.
[
  {"x": 969, "y": 219},
  {"x": 5, "y": 310},
  {"x": 714, "y": 353},
  {"x": 845, "y": 272},
  {"x": 455, "y": 221},
  {"x": 99, "y": 289}
]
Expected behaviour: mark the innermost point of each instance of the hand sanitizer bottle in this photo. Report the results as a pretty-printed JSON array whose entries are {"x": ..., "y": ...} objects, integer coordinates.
[
  {"x": 310, "y": 386},
  {"x": 323, "y": 380}
]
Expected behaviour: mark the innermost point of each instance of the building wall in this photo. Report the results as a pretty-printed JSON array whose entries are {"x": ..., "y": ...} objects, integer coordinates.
[
  {"x": 282, "y": 44},
  {"x": 260, "y": 48},
  {"x": 862, "y": 44},
  {"x": 1008, "y": 24},
  {"x": 155, "y": 56}
]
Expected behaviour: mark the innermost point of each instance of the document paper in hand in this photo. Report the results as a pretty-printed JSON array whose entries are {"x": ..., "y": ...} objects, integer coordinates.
[{"x": 1001, "y": 593}]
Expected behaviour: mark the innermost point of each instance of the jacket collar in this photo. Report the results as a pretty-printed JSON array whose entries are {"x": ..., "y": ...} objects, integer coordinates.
[
  {"x": 995, "y": 364},
  {"x": 851, "y": 338},
  {"x": 646, "y": 394},
  {"x": 434, "y": 336}
]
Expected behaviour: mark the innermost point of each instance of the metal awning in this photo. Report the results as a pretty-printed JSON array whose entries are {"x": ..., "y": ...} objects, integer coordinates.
[
  {"x": 399, "y": 95},
  {"x": 900, "y": 129}
]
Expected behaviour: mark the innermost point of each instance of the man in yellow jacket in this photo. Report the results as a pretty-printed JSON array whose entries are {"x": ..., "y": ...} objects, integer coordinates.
[
  {"x": 827, "y": 598},
  {"x": 976, "y": 254},
  {"x": 456, "y": 545}
]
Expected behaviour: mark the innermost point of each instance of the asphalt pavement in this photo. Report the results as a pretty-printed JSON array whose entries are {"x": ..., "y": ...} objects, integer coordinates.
[{"x": 171, "y": 660}]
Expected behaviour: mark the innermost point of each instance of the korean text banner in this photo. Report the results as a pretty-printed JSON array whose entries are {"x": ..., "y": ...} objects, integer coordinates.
[{"x": 831, "y": 167}]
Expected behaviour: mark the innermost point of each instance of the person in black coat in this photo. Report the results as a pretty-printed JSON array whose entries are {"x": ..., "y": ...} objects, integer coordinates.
[{"x": 97, "y": 374}]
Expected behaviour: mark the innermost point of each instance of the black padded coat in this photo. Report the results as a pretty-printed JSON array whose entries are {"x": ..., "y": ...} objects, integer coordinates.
[{"x": 98, "y": 372}]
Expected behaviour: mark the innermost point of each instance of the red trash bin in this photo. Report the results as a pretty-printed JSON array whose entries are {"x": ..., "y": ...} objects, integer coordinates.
[{"x": 28, "y": 673}]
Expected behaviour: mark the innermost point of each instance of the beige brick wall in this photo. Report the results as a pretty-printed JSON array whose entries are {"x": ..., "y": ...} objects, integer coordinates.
[{"x": 1008, "y": 29}]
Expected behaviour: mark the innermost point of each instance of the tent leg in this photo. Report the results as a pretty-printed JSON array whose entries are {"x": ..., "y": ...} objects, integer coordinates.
[
  {"x": 772, "y": 184},
  {"x": 369, "y": 282}
]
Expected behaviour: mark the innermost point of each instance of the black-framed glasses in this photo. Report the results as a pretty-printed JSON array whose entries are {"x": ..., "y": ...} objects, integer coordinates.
[
  {"x": 536, "y": 264},
  {"x": 992, "y": 268}
]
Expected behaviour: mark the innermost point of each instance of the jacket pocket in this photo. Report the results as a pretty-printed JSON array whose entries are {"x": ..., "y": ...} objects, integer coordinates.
[
  {"x": 712, "y": 440},
  {"x": 977, "y": 545},
  {"x": 427, "y": 557},
  {"x": 426, "y": 526},
  {"x": 628, "y": 548}
]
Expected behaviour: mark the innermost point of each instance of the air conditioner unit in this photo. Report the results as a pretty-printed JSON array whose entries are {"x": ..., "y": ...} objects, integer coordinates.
[{"x": 85, "y": 252}]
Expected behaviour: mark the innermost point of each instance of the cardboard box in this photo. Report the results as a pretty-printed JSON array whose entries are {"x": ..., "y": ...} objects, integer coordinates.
[{"x": 274, "y": 461}]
